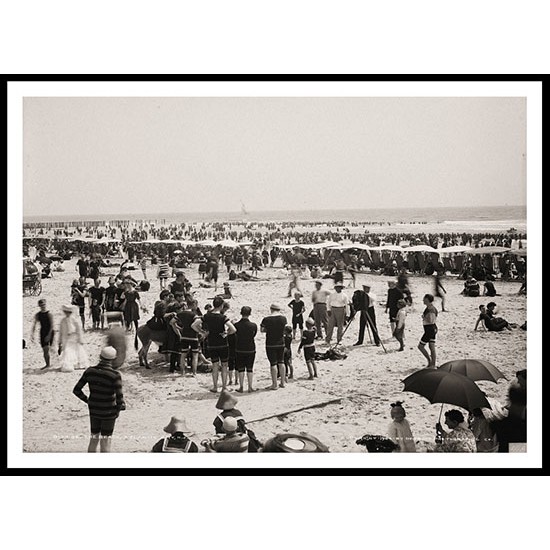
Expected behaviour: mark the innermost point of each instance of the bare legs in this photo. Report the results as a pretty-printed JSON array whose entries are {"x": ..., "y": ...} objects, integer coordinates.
[
  {"x": 104, "y": 442},
  {"x": 312, "y": 369},
  {"x": 215, "y": 375},
  {"x": 46, "y": 352},
  {"x": 430, "y": 357}
]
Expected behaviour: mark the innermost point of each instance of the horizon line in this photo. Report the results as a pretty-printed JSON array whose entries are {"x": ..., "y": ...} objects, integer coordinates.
[{"x": 165, "y": 214}]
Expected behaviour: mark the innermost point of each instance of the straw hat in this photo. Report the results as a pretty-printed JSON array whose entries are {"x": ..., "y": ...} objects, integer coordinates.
[
  {"x": 226, "y": 401},
  {"x": 67, "y": 309},
  {"x": 275, "y": 307},
  {"x": 229, "y": 424},
  {"x": 108, "y": 353},
  {"x": 177, "y": 424},
  {"x": 365, "y": 285},
  {"x": 310, "y": 321}
]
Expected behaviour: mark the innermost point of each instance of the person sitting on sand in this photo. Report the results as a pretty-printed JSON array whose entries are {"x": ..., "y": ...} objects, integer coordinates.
[
  {"x": 489, "y": 289},
  {"x": 227, "y": 294},
  {"x": 178, "y": 441},
  {"x": 232, "y": 442},
  {"x": 399, "y": 431},
  {"x": 498, "y": 321},
  {"x": 471, "y": 288},
  {"x": 460, "y": 439},
  {"x": 489, "y": 323},
  {"x": 484, "y": 432},
  {"x": 226, "y": 404}
]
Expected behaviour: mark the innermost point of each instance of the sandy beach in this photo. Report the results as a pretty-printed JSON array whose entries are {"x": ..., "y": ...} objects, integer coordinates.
[{"x": 350, "y": 398}]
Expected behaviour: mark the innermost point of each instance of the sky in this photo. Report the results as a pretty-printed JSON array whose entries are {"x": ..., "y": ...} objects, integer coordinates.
[{"x": 90, "y": 155}]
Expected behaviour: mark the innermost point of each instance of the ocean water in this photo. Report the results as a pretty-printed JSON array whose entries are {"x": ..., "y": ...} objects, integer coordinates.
[{"x": 489, "y": 216}]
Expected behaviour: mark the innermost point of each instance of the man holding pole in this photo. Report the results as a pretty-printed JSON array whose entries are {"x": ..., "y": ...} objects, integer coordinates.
[{"x": 364, "y": 304}]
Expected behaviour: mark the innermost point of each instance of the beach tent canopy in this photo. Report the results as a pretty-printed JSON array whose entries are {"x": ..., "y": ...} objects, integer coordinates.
[
  {"x": 229, "y": 243},
  {"x": 489, "y": 250},
  {"x": 348, "y": 246},
  {"x": 421, "y": 248},
  {"x": 391, "y": 247},
  {"x": 455, "y": 249},
  {"x": 208, "y": 242}
]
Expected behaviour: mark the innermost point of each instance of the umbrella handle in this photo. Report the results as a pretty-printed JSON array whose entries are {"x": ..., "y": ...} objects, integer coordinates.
[{"x": 440, "y": 412}]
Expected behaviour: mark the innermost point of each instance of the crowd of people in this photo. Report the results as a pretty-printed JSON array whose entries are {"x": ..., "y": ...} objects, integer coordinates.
[{"x": 208, "y": 338}]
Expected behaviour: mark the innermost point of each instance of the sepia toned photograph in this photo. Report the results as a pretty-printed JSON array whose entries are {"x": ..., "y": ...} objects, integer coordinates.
[{"x": 284, "y": 274}]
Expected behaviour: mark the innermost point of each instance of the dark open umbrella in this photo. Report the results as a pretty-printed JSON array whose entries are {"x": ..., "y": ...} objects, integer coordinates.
[
  {"x": 474, "y": 369},
  {"x": 440, "y": 386}
]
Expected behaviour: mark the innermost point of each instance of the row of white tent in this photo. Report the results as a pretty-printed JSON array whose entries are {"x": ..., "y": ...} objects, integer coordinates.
[{"x": 330, "y": 245}]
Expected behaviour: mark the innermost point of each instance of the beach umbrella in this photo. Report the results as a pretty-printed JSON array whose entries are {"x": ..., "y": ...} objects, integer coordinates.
[
  {"x": 441, "y": 386},
  {"x": 474, "y": 369}
]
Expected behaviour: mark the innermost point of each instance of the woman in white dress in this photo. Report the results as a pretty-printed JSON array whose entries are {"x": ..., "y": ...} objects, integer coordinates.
[{"x": 71, "y": 349}]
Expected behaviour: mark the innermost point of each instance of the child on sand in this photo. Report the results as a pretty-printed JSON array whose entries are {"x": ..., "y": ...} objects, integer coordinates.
[
  {"x": 308, "y": 343},
  {"x": 298, "y": 307},
  {"x": 399, "y": 431},
  {"x": 287, "y": 337},
  {"x": 400, "y": 317}
]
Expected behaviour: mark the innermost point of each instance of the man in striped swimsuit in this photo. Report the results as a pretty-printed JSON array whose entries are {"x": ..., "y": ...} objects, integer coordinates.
[{"x": 105, "y": 400}]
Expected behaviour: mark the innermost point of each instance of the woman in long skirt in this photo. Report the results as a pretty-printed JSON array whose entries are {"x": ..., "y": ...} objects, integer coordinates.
[{"x": 71, "y": 348}]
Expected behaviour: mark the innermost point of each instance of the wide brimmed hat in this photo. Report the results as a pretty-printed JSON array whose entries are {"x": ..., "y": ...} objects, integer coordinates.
[
  {"x": 226, "y": 401},
  {"x": 177, "y": 424},
  {"x": 108, "y": 353},
  {"x": 67, "y": 309}
]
